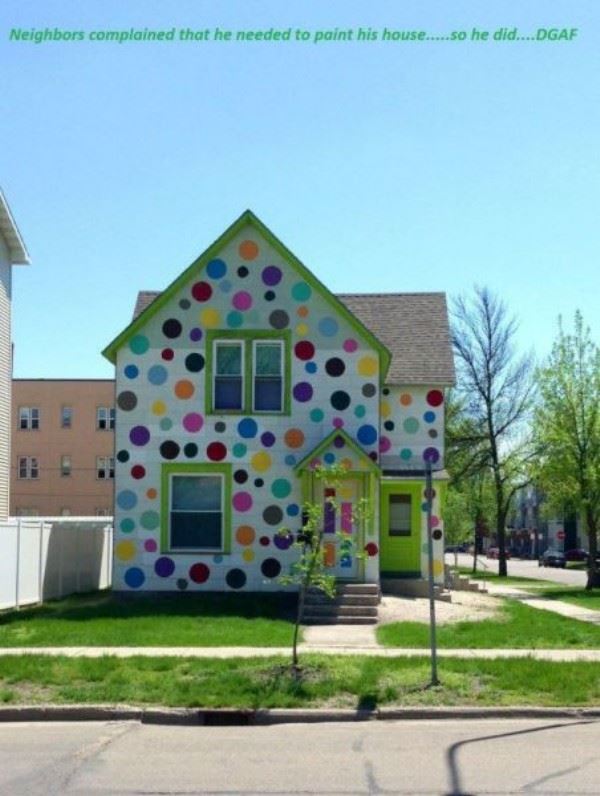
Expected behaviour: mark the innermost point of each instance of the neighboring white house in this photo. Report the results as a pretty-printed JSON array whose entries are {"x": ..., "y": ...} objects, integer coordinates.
[{"x": 12, "y": 252}]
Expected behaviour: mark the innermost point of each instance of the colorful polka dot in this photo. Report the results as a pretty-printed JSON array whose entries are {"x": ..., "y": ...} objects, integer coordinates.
[
  {"x": 281, "y": 488},
  {"x": 301, "y": 291},
  {"x": 202, "y": 291},
  {"x": 350, "y": 346},
  {"x": 261, "y": 461},
  {"x": 125, "y": 550},
  {"x": 139, "y": 344},
  {"x": 164, "y": 567},
  {"x": 193, "y": 422},
  {"x": 242, "y": 300},
  {"x": 184, "y": 389},
  {"x": 248, "y": 250},
  {"x": 216, "y": 269},
  {"x": 247, "y": 428},
  {"x": 199, "y": 573},
  {"x": 242, "y": 501},
  {"x": 303, "y": 391},
  {"x": 435, "y": 397},
  {"x": 328, "y": 327},
  {"x": 216, "y": 451},
  {"x": 294, "y": 438},
  {"x": 271, "y": 275},
  {"x": 245, "y": 535},
  {"x": 139, "y": 435},
  {"x": 157, "y": 375},
  {"x": 134, "y": 577},
  {"x": 304, "y": 350},
  {"x": 367, "y": 366},
  {"x": 210, "y": 318}
]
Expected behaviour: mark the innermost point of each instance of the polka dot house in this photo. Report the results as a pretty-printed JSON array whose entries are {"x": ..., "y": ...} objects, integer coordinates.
[{"x": 235, "y": 383}]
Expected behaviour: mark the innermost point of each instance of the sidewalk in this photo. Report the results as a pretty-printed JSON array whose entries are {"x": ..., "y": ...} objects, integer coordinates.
[{"x": 555, "y": 606}]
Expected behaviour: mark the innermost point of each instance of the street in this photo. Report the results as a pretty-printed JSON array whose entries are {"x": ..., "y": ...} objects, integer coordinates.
[
  {"x": 521, "y": 568},
  {"x": 451, "y": 757}
]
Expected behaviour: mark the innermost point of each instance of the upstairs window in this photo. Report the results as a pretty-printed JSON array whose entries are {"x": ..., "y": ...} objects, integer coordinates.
[
  {"x": 229, "y": 379},
  {"x": 105, "y": 467},
  {"x": 248, "y": 374},
  {"x": 105, "y": 418},
  {"x": 66, "y": 417},
  {"x": 65, "y": 466},
  {"x": 267, "y": 376},
  {"x": 28, "y": 467},
  {"x": 29, "y": 418}
]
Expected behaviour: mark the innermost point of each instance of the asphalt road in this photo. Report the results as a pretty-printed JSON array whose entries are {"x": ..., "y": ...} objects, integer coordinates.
[
  {"x": 418, "y": 757},
  {"x": 525, "y": 569}
]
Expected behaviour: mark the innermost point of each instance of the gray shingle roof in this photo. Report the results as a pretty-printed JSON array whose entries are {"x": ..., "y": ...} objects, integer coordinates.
[{"x": 414, "y": 326}]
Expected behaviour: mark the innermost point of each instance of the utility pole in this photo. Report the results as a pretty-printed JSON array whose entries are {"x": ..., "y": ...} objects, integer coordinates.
[{"x": 433, "y": 642}]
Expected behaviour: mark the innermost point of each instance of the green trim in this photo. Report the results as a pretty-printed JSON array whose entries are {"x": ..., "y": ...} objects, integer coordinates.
[
  {"x": 325, "y": 443},
  {"x": 167, "y": 471},
  {"x": 403, "y": 548},
  {"x": 247, "y": 337},
  {"x": 248, "y": 218}
]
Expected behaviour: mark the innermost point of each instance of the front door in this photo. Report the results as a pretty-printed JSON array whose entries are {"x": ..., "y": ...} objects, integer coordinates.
[
  {"x": 400, "y": 535},
  {"x": 341, "y": 536}
]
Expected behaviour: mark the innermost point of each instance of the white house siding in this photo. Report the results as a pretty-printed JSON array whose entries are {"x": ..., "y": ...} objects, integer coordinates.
[
  {"x": 412, "y": 427},
  {"x": 161, "y": 418},
  {"x": 5, "y": 377}
]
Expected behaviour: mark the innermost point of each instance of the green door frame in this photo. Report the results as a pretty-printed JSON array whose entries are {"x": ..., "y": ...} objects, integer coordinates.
[{"x": 400, "y": 555}]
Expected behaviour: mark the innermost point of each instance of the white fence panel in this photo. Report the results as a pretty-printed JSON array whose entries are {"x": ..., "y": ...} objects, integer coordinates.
[{"x": 43, "y": 559}]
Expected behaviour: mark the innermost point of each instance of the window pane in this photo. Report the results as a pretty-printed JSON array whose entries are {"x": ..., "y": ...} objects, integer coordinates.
[
  {"x": 400, "y": 510},
  {"x": 229, "y": 359},
  {"x": 202, "y": 492},
  {"x": 66, "y": 417},
  {"x": 228, "y": 392},
  {"x": 196, "y": 531},
  {"x": 268, "y": 359},
  {"x": 267, "y": 394}
]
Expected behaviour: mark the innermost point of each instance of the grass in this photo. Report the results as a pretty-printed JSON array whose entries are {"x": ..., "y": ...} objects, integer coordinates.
[
  {"x": 570, "y": 594},
  {"x": 509, "y": 580},
  {"x": 267, "y": 683},
  {"x": 517, "y": 626},
  {"x": 202, "y": 620}
]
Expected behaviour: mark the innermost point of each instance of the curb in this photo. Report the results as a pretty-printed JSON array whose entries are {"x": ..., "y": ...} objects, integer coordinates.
[{"x": 263, "y": 717}]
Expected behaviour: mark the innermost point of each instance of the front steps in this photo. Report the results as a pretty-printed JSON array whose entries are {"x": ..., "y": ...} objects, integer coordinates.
[
  {"x": 354, "y": 604},
  {"x": 458, "y": 582}
]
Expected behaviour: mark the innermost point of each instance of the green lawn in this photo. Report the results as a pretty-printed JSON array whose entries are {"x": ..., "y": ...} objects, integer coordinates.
[
  {"x": 266, "y": 683},
  {"x": 517, "y": 626},
  {"x": 196, "y": 620}
]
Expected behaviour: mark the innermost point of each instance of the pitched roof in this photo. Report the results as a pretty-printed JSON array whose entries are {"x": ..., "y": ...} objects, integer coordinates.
[{"x": 414, "y": 326}]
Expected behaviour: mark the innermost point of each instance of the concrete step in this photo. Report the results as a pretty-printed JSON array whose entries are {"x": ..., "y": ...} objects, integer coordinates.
[
  {"x": 357, "y": 588},
  {"x": 316, "y": 619},
  {"x": 412, "y": 587},
  {"x": 342, "y": 599},
  {"x": 341, "y": 610}
]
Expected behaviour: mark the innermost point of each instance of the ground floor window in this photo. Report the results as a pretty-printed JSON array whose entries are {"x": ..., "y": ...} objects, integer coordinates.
[{"x": 197, "y": 508}]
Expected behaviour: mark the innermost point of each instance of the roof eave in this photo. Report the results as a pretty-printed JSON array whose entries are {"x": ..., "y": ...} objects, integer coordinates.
[{"x": 10, "y": 232}]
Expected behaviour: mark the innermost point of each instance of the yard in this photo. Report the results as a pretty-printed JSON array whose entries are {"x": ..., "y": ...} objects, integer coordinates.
[
  {"x": 329, "y": 681},
  {"x": 190, "y": 620}
]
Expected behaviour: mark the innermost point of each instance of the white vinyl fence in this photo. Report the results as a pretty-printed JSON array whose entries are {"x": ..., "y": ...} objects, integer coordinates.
[{"x": 42, "y": 558}]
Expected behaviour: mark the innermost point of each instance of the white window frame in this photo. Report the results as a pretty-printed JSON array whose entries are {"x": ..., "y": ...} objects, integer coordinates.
[
  {"x": 66, "y": 466},
  {"x": 63, "y": 416},
  {"x": 29, "y": 418},
  {"x": 281, "y": 345},
  {"x": 230, "y": 342},
  {"x": 105, "y": 418},
  {"x": 105, "y": 465},
  {"x": 221, "y": 478},
  {"x": 28, "y": 468}
]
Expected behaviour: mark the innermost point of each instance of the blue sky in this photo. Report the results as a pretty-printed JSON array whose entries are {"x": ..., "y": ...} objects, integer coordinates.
[{"x": 407, "y": 166}]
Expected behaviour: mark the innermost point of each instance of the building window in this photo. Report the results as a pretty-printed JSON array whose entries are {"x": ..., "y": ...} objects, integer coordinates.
[
  {"x": 267, "y": 376},
  {"x": 28, "y": 467},
  {"x": 229, "y": 379},
  {"x": 29, "y": 418},
  {"x": 65, "y": 466},
  {"x": 248, "y": 375},
  {"x": 196, "y": 508},
  {"x": 400, "y": 515},
  {"x": 105, "y": 418},
  {"x": 66, "y": 416},
  {"x": 65, "y": 511},
  {"x": 27, "y": 511},
  {"x": 105, "y": 467}
]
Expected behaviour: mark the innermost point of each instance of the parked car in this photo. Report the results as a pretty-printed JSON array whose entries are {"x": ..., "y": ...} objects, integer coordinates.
[
  {"x": 577, "y": 554},
  {"x": 553, "y": 558},
  {"x": 494, "y": 552}
]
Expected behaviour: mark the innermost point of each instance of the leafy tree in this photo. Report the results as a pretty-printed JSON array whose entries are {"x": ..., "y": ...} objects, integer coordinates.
[
  {"x": 494, "y": 393},
  {"x": 310, "y": 570},
  {"x": 567, "y": 426}
]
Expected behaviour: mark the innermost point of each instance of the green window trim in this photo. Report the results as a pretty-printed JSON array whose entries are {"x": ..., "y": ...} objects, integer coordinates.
[
  {"x": 169, "y": 470},
  {"x": 248, "y": 337}
]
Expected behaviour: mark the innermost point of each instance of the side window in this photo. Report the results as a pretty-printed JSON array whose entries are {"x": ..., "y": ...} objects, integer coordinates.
[
  {"x": 400, "y": 515},
  {"x": 66, "y": 417},
  {"x": 267, "y": 376},
  {"x": 65, "y": 466},
  {"x": 29, "y": 418},
  {"x": 196, "y": 512},
  {"x": 105, "y": 418},
  {"x": 228, "y": 379}
]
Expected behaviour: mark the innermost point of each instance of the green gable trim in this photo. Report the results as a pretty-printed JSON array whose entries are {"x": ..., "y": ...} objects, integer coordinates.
[
  {"x": 247, "y": 337},
  {"x": 248, "y": 217},
  {"x": 370, "y": 465},
  {"x": 167, "y": 471}
]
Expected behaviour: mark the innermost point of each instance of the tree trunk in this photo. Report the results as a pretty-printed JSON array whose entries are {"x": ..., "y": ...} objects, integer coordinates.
[
  {"x": 593, "y": 575},
  {"x": 501, "y": 536}
]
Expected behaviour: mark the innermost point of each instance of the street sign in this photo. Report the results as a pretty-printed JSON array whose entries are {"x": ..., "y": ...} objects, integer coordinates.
[{"x": 560, "y": 535}]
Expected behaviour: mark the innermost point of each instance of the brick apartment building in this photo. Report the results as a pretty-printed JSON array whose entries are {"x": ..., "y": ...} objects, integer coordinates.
[{"x": 62, "y": 455}]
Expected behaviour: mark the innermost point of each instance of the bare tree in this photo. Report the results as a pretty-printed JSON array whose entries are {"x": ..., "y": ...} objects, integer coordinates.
[{"x": 495, "y": 387}]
